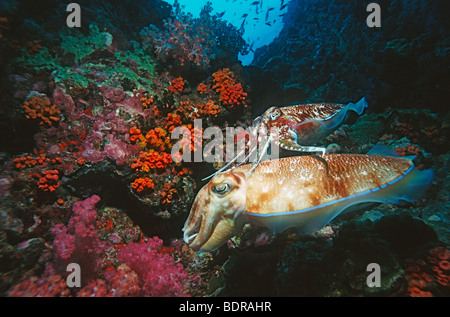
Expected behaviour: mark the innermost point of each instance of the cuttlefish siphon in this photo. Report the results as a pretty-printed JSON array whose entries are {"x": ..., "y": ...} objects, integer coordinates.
[{"x": 303, "y": 192}]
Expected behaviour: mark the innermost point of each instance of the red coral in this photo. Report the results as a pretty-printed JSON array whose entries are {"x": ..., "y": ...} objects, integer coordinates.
[
  {"x": 177, "y": 85},
  {"x": 50, "y": 284},
  {"x": 158, "y": 273},
  {"x": 202, "y": 88},
  {"x": 195, "y": 142},
  {"x": 151, "y": 160},
  {"x": 406, "y": 129},
  {"x": 209, "y": 109},
  {"x": 172, "y": 121},
  {"x": 135, "y": 134},
  {"x": 141, "y": 184},
  {"x": 94, "y": 288},
  {"x": 231, "y": 92},
  {"x": 46, "y": 286},
  {"x": 30, "y": 161},
  {"x": 425, "y": 277},
  {"x": 187, "y": 111},
  {"x": 146, "y": 101},
  {"x": 49, "y": 181},
  {"x": 410, "y": 149},
  {"x": 123, "y": 282},
  {"x": 158, "y": 138}
]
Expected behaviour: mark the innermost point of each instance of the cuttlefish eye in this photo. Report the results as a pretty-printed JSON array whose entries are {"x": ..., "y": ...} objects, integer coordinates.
[
  {"x": 275, "y": 114},
  {"x": 221, "y": 189}
]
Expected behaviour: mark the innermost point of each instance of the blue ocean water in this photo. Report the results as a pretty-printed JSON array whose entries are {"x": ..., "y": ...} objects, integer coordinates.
[{"x": 261, "y": 21}]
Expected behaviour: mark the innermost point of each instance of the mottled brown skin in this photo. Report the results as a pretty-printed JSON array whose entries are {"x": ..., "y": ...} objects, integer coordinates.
[
  {"x": 295, "y": 128},
  {"x": 300, "y": 124},
  {"x": 301, "y": 182},
  {"x": 290, "y": 184}
]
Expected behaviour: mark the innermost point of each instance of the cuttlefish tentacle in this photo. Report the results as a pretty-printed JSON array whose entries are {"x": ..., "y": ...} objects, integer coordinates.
[
  {"x": 304, "y": 192},
  {"x": 253, "y": 146},
  {"x": 292, "y": 145}
]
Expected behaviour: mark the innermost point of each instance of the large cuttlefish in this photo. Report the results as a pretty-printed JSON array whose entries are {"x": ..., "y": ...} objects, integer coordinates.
[
  {"x": 304, "y": 192},
  {"x": 295, "y": 128}
]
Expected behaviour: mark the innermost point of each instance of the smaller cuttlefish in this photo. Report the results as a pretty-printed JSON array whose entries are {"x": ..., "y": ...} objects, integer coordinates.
[
  {"x": 300, "y": 126},
  {"x": 296, "y": 128},
  {"x": 303, "y": 192}
]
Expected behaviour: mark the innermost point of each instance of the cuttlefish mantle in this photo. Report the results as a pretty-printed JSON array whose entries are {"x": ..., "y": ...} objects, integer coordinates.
[{"x": 304, "y": 192}]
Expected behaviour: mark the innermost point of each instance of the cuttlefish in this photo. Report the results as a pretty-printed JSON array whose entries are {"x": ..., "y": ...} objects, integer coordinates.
[
  {"x": 303, "y": 192},
  {"x": 295, "y": 128}
]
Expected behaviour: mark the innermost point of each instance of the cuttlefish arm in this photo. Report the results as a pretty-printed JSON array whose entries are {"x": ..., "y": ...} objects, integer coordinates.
[{"x": 303, "y": 192}]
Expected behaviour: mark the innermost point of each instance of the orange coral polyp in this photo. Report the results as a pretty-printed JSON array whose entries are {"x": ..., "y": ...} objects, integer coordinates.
[
  {"x": 141, "y": 184},
  {"x": 157, "y": 137},
  {"x": 202, "y": 88},
  {"x": 31, "y": 161},
  {"x": 49, "y": 181},
  {"x": 167, "y": 193},
  {"x": 135, "y": 134},
  {"x": 231, "y": 92},
  {"x": 444, "y": 265},
  {"x": 209, "y": 109},
  {"x": 41, "y": 108},
  {"x": 146, "y": 101},
  {"x": 151, "y": 160},
  {"x": 177, "y": 85}
]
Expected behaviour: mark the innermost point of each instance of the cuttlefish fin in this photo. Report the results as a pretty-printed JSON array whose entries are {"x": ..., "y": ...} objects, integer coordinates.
[
  {"x": 416, "y": 182},
  {"x": 313, "y": 130},
  {"x": 382, "y": 150},
  {"x": 359, "y": 106},
  {"x": 333, "y": 122}
]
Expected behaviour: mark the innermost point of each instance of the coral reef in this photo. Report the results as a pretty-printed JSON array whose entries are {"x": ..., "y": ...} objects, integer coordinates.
[
  {"x": 183, "y": 39},
  {"x": 101, "y": 107},
  {"x": 141, "y": 184},
  {"x": 79, "y": 242},
  {"x": 157, "y": 271},
  {"x": 115, "y": 259},
  {"x": 429, "y": 277},
  {"x": 231, "y": 93},
  {"x": 87, "y": 173}
]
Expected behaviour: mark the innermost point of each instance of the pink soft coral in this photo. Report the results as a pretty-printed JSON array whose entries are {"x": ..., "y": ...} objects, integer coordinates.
[
  {"x": 79, "y": 242},
  {"x": 159, "y": 274}
]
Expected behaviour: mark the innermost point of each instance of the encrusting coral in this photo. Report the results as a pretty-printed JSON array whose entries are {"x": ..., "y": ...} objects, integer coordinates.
[{"x": 41, "y": 108}]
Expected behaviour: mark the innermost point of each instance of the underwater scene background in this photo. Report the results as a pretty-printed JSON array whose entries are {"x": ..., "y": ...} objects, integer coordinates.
[{"x": 87, "y": 171}]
